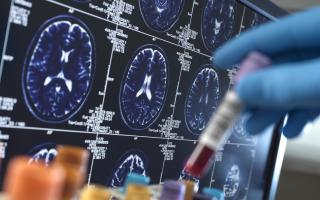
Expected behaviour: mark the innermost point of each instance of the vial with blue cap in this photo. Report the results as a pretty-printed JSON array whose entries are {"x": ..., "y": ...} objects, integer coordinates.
[
  {"x": 136, "y": 179},
  {"x": 215, "y": 194}
]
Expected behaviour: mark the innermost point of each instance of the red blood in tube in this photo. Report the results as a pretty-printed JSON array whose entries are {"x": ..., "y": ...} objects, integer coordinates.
[{"x": 199, "y": 161}]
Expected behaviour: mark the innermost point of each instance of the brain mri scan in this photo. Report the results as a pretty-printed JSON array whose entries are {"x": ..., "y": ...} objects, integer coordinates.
[
  {"x": 218, "y": 21},
  {"x": 160, "y": 15},
  {"x": 239, "y": 130},
  {"x": 144, "y": 87},
  {"x": 134, "y": 161},
  {"x": 232, "y": 182},
  {"x": 44, "y": 152},
  {"x": 202, "y": 99},
  {"x": 59, "y": 69},
  {"x": 232, "y": 173}
]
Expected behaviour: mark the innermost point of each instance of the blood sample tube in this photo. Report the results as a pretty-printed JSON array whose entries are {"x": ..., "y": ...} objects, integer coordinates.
[
  {"x": 189, "y": 189},
  {"x": 230, "y": 108}
]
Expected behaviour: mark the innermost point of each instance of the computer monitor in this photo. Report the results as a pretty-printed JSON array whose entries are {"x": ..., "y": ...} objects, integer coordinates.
[{"x": 134, "y": 83}]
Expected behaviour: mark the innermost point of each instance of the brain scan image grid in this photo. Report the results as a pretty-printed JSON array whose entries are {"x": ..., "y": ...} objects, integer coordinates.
[{"x": 124, "y": 73}]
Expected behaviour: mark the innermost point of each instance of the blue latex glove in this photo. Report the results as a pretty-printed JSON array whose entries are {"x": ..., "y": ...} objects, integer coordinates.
[{"x": 292, "y": 84}]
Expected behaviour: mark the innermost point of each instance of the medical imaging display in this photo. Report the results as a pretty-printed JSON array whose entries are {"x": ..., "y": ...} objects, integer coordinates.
[
  {"x": 58, "y": 69},
  {"x": 161, "y": 15},
  {"x": 202, "y": 100},
  {"x": 144, "y": 87},
  {"x": 218, "y": 22},
  {"x": 131, "y": 81}
]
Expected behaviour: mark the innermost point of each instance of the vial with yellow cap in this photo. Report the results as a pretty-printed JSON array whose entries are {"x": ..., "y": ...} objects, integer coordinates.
[
  {"x": 137, "y": 192},
  {"x": 95, "y": 192}
]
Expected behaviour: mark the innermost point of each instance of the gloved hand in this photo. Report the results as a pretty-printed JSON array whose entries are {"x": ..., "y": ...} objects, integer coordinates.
[{"x": 292, "y": 84}]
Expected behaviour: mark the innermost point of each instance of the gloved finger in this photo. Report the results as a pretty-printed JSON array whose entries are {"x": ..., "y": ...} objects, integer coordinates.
[
  {"x": 287, "y": 86},
  {"x": 297, "y": 120},
  {"x": 260, "y": 119},
  {"x": 274, "y": 38}
]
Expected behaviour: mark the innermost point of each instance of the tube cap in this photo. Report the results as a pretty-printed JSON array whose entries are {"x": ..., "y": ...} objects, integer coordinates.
[
  {"x": 33, "y": 181},
  {"x": 137, "y": 179},
  {"x": 95, "y": 192},
  {"x": 137, "y": 192},
  {"x": 213, "y": 193},
  {"x": 173, "y": 190},
  {"x": 253, "y": 62}
]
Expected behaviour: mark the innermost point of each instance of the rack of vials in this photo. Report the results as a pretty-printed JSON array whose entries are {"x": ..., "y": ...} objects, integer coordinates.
[{"x": 64, "y": 179}]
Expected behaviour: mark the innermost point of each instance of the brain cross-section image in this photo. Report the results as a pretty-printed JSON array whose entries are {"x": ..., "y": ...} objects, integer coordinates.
[
  {"x": 218, "y": 21},
  {"x": 239, "y": 129},
  {"x": 161, "y": 15},
  {"x": 232, "y": 182},
  {"x": 134, "y": 161},
  {"x": 202, "y": 99},
  {"x": 144, "y": 87},
  {"x": 58, "y": 69},
  {"x": 44, "y": 152}
]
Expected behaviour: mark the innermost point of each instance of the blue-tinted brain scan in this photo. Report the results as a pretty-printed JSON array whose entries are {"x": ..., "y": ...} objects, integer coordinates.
[
  {"x": 202, "y": 99},
  {"x": 218, "y": 21},
  {"x": 44, "y": 152},
  {"x": 134, "y": 161},
  {"x": 144, "y": 87},
  {"x": 59, "y": 69},
  {"x": 239, "y": 129},
  {"x": 161, "y": 15},
  {"x": 232, "y": 182}
]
